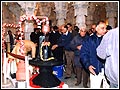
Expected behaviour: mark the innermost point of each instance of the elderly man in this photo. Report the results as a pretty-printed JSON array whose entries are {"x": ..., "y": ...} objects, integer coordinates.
[
  {"x": 76, "y": 45},
  {"x": 89, "y": 57}
]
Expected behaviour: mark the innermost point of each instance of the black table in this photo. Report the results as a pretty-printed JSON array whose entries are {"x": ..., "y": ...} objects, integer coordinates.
[{"x": 46, "y": 78}]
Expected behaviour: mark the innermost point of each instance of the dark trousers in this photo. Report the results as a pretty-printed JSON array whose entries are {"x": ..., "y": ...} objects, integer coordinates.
[
  {"x": 85, "y": 77},
  {"x": 81, "y": 73},
  {"x": 37, "y": 55}
]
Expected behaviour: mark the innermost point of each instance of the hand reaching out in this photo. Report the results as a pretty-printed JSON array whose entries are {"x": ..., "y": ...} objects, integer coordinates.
[
  {"x": 91, "y": 69},
  {"x": 54, "y": 46}
]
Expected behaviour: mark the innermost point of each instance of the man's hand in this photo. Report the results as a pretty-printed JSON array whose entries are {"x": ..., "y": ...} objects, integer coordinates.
[
  {"x": 54, "y": 46},
  {"x": 91, "y": 69},
  {"x": 46, "y": 43},
  {"x": 79, "y": 47}
]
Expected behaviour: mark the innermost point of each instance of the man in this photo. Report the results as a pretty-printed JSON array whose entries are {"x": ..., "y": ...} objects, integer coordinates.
[
  {"x": 10, "y": 40},
  {"x": 93, "y": 28},
  {"x": 76, "y": 45},
  {"x": 89, "y": 56},
  {"x": 73, "y": 31},
  {"x": 53, "y": 39},
  {"x": 64, "y": 41},
  {"x": 17, "y": 64},
  {"x": 34, "y": 37},
  {"x": 71, "y": 53},
  {"x": 28, "y": 46},
  {"x": 109, "y": 51}
]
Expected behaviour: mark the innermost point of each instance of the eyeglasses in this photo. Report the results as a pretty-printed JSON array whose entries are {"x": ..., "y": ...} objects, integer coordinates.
[
  {"x": 82, "y": 31},
  {"x": 102, "y": 26}
]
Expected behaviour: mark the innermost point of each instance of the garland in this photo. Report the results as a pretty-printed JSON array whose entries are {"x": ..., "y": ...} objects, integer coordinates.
[{"x": 23, "y": 18}]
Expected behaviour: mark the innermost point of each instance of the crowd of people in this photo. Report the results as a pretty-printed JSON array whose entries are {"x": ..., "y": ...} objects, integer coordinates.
[{"x": 85, "y": 53}]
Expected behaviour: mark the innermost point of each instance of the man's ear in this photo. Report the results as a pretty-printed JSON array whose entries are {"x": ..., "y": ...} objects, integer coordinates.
[
  {"x": 97, "y": 27},
  {"x": 35, "y": 44}
]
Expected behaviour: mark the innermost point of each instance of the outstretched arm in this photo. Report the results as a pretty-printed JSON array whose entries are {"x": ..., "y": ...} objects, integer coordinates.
[{"x": 33, "y": 46}]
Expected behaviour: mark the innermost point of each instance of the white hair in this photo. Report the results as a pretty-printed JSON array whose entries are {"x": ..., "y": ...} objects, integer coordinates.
[{"x": 82, "y": 28}]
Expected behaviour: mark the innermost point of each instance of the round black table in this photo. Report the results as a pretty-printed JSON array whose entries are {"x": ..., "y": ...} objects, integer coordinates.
[{"x": 46, "y": 78}]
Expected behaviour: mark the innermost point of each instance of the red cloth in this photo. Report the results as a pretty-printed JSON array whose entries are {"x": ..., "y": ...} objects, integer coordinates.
[{"x": 31, "y": 83}]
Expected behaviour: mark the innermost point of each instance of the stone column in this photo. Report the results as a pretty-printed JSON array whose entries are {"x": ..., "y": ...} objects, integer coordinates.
[
  {"x": 112, "y": 13},
  {"x": 28, "y": 29},
  {"x": 60, "y": 9},
  {"x": 29, "y": 8},
  {"x": 80, "y": 13}
]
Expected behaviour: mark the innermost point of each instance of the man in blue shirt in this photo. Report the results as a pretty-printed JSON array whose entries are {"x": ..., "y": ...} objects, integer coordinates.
[{"x": 64, "y": 42}]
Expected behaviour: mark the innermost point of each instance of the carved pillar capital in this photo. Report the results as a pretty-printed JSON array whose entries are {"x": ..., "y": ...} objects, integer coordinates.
[
  {"x": 61, "y": 10},
  {"x": 28, "y": 7},
  {"x": 80, "y": 16}
]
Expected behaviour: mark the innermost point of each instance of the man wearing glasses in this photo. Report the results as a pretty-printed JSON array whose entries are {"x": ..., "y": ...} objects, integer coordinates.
[{"x": 89, "y": 57}]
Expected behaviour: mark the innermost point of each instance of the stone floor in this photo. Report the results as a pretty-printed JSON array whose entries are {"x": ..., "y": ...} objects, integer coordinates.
[{"x": 70, "y": 82}]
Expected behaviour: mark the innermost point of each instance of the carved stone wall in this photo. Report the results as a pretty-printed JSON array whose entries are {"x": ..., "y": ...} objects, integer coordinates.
[
  {"x": 44, "y": 9},
  {"x": 76, "y": 13},
  {"x": 10, "y": 14},
  {"x": 95, "y": 12},
  {"x": 89, "y": 17},
  {"x": 107, "y": 11},
  {"x": 112, "y": 13},
  {"x": 70, "y": 18},
  {"x": 52, "y": 15}
]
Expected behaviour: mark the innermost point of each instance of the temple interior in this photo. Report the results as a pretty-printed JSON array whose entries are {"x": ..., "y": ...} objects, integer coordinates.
[
  {"x": 76, "y": 13},
  {"x": 27, "y": 15}
]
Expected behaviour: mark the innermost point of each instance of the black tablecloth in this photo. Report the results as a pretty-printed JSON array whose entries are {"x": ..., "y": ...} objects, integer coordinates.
[{"x": 46, "y": 78}]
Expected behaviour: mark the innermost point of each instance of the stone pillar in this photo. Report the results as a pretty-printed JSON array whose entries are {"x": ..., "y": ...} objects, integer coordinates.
[
  {"x": 112, "y": 13},
  {"x": 29, "y": 8},
  {"x": 80, "y": 13},
  {"x": 60, "y": 9},
  {"x": 28, "y": 29}
]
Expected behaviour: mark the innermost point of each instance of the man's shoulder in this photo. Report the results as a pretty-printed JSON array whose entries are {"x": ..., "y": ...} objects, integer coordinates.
[
  {"x": 113, "y": 31},
  {"x": 32, "y": 32},
  {"x": 89, "y": 39},
  {"x": 111, "y": 34}
]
